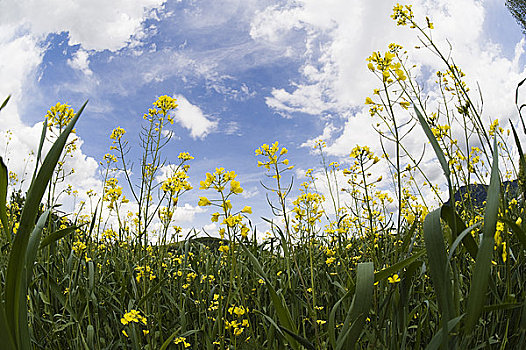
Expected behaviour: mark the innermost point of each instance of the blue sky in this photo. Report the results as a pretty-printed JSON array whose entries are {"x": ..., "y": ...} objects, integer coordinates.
[{"x": 245, "y": 72}]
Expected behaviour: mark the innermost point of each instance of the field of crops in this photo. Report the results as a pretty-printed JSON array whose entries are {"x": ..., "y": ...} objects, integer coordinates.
[{"x": 338, "y": 269}]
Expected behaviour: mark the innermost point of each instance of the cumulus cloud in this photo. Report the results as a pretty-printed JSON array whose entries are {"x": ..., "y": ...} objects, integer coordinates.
[
  {"x": 191, "y": 117},
  {"x": 80, "y": 61},
  {"x": 340, "y": 35},
  {"x": 25, "y": 25},
  {"x": 95, "y": 25}
]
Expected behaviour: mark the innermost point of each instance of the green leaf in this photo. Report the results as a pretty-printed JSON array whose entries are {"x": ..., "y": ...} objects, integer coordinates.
[
  {"x": 32, "y": 247},
  {"x": 517, "y": 230},
  {"x": 332, "y": 316},
  {"x": 5, "y": 102},
  {"x": 436, "y": 341},
  {"x": 3, "y": 199},
  {"x": 307, "y": 344},
  {"x": 55, "y": 236},
  {"x": 436, "y": 147},
  {"x": 438, "y": 267},
  {"x": 40, "y": 145},
  {"x": 6, "y": 338},
  {"x": 457, "y": 226},
  {"x": 389, "y": 271},
  {"x": 357, "y": 314},
  {"x": 460, "y": 238},
  {"x": 282, "y": 311},
  {"x": 15, "y": 281},
  {"x": 481, "y": 273}
]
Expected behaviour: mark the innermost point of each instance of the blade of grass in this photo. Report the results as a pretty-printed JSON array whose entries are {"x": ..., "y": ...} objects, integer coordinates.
[
  {"x": 3, "y": 199},
  {"x": 357, "y": 314},
  {"x": 40, "y": 145},
  {"x": 457, "y": 226},
  {"x": 481, "y": 273},
  {"x": 332, "y": 316},
  {"x": 57, "y": 235},
  {"x": 15, "y": 269},
  {"x": 438, "y": 268},
  {"x": 282, "y": 311},
  {"x": 460, "y": 238},
  {"x": 307, "y": 344},
  {"x": 5, "y": 102},
  {"x": 32, "y": 246},
  {"x": 389, "y": 271},
  {"x": 436, "y": 147},
  {"x": 436, "y": 341},
  {"x": 6, "y": 339}
]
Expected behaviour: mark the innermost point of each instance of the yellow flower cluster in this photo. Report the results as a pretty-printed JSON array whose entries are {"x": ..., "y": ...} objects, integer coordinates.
[
  {"x": 386, "y": 65},
  {"x": 182, "y": 341},
  {"x": 238, "y": 325},
  {"x": 113, "y": 192},
  {"x": 144, "y": 272},
  {"x": 176, "y": 183},
  {"x": 117, "y": 133},
  {"x": 161, "y": 115},
  {"x": 402, "y": 14},
  {"x": 133, "y": 316},
  {"x": 363, "y": 153},
  {"x": 59, "y": 116},
  {"x": 273, "y": 154}
]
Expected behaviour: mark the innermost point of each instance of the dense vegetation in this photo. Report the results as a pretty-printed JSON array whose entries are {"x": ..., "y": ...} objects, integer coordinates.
[{"x": 364, "y": 266}]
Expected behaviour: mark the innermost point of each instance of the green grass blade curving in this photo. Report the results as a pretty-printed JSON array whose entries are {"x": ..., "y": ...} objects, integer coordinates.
[
  {"x": 3, "y": 199},
  {"x": 5, "y": 102},
  {"x": 436, "y": 147},
  {"x": 15, "y": 269},
  {"x": 34, "y": 242},
  {"x": 481, "y": 273},
  {"x": 40, "y": 145},
  {"x": 517, "y": 230},
  {"x": 332, "y": 318},
  {"x": 389, "y": 271},
  {"x": 6, "y": 338},
  {"x": 460, "y": 238},
  {"x": 282, "y": 311},
  {"x": 457, "y": 226},
  {"x": 357, "y": 314},
  {"x": 57, "y": 235},
  {"x": 438, "y": 268},
  {"x": 306, "y": 344},
  {"x": 436, "y": 341}
]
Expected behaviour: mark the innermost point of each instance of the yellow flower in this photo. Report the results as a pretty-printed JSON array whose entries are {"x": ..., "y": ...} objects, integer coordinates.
[
  {"x": 133, "y": 316},
  {"x": 330, "y": 260},
  {"x": 203, "y": 202},
  {"x": 394, "y": 279},
  {"x": 215, "y": 217},
  {"x": 117, "y": 133},
  {"x": 235, "y": 187},
  {"x": 244, "y": 231},
  {"x": 247, "y": 210}
]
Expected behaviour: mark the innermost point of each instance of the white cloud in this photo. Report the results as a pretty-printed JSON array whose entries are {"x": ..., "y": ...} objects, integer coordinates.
[
  {"x": 80, "y": 62},
  {"x": 191, "y": 117},
  {"x": 340, "y": 34},
  {"x": 94, "y": 24}
]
